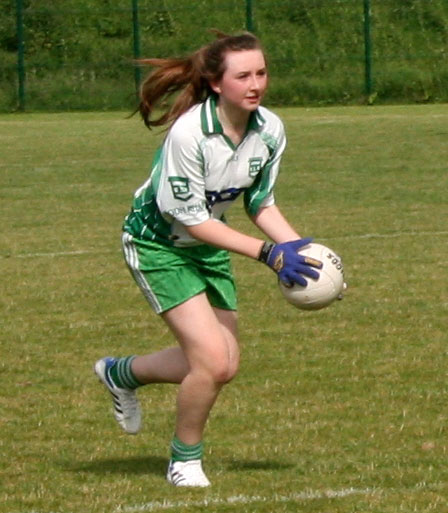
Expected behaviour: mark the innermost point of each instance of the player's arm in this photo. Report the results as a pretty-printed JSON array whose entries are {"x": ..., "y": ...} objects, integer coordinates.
[
  {"x": 274, "y": 225},
  {"x": 283, "y": 258},
  {"x": 222, "y": 236}
]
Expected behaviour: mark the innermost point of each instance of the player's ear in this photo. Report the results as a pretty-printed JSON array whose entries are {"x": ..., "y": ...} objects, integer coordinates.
[{"x": 215, "y": 86}]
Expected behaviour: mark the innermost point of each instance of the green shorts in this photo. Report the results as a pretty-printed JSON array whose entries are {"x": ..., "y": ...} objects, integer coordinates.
[{"x": 168, "y": 276}]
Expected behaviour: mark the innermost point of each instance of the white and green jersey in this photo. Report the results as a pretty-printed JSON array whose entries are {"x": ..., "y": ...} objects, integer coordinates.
[{"x": 198, "y": 172}]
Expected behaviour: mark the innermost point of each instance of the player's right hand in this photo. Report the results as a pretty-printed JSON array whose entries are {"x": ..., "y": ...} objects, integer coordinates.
[{"x": 290, "y": 266}]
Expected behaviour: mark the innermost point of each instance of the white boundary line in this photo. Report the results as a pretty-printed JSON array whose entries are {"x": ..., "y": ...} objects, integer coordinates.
[
  {"x": 53, "y": 255},
  {"x": 238, "y": 500},
  {"x": 341, "y": 237},
  {"x": 387, "y": 235}
]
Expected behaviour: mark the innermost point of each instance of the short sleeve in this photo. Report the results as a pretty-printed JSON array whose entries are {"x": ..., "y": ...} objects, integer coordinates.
[{"x": 181, "y": 187}]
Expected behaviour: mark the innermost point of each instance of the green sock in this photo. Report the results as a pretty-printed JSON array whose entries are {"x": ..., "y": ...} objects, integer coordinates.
[
  {"x": 121, "y": 374},
  {"x": 184, "y": 452}
]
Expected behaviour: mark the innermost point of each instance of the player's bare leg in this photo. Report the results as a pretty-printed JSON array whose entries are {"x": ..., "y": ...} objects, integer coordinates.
[
  {"x": 208, "y": 338},
  {"x": 166, "y": 366},
  {"x": 207, "y": 358}
]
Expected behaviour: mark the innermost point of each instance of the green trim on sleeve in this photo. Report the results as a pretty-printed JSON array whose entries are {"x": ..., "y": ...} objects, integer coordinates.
[{"x": 259, "y": 190}]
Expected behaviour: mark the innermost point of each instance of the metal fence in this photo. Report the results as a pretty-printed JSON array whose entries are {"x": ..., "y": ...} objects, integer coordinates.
[{"x": 78, "y": 54}]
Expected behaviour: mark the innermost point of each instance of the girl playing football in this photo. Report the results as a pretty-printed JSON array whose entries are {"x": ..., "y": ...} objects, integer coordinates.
[{"x": 220, "y": 143}]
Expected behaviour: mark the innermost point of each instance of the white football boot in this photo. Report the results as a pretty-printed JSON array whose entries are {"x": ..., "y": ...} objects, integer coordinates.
[
  {"x": 187, "y": 473},
  {"x": 126, "y": 407}
]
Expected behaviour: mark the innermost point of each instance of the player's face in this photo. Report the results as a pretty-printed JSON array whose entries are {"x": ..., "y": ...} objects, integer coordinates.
[{"x": 244, "y": 81}]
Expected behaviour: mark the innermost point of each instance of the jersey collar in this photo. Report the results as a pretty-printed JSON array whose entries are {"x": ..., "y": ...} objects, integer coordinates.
[{"x": 210, "y": 123}]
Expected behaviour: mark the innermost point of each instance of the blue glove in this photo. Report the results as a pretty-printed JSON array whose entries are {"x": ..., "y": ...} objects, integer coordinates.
[{"x": 289, "y": 265}]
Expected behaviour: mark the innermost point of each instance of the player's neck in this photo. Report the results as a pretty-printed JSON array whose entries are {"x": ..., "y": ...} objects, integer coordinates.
[{"x": 233, "y": 122}]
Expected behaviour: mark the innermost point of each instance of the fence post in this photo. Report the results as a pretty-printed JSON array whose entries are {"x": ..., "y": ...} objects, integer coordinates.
[
  {"x": 20, "y": 55},
  {"x": 137, "y": 54},
  {"x": 249, "y": 16},
  {"x": 368, "y": 49}
]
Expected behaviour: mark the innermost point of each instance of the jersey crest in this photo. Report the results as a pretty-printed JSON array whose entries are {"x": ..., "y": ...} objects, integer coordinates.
[
  {"x": 255, "y": 164},
  {"x": 180, "y": 187}
]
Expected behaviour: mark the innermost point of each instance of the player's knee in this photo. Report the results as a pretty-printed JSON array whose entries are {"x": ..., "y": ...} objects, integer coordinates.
[
  {"x": 232, "y": 370},
  {"x": 225, "y": 371}
]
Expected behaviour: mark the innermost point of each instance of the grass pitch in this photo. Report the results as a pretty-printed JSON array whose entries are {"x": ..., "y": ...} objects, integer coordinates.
[{"x": 341, "y": 410}]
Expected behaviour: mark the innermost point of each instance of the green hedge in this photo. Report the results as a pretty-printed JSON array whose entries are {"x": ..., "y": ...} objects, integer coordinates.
[{"x": 79, "y": 52}]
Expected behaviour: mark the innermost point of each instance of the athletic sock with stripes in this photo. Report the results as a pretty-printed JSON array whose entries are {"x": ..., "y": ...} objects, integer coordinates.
[
  {"x": 121, "y": 374},
  {"x": 185, "y": 452}
]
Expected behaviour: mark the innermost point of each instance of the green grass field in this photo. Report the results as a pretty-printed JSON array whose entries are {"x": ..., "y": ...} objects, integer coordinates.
[{"x": 338, "y": 411}]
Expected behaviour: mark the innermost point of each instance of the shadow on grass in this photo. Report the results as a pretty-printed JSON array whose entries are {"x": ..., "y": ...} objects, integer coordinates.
[
  {"x": 143, "y": 465},
  {"x": 158, "y": 465},
  {"x": 246, "y": 465}
]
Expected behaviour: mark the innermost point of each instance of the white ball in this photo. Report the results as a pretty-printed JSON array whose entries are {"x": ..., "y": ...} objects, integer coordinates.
[{"x": 323, "y": 291}]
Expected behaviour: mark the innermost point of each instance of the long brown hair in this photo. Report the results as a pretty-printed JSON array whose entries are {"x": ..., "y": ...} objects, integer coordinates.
[{"x": 189, "y": 76}]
